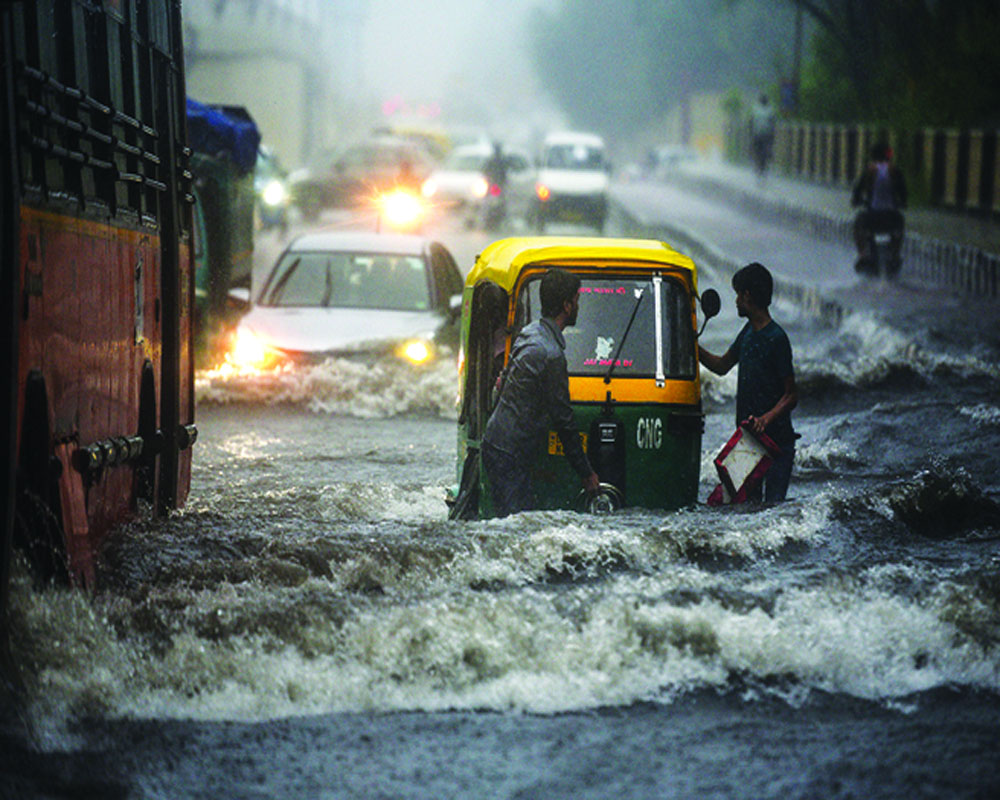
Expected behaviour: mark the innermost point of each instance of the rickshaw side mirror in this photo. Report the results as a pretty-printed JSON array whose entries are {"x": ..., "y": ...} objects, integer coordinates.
[{"x": 711, "y": 304}]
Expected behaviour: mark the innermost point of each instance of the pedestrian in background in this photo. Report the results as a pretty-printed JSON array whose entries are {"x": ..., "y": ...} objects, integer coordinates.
[{"x": 762, "y": 132}]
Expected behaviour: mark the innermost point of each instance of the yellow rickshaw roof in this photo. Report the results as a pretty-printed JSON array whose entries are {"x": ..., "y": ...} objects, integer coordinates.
[{"x": 503, "y": 260}]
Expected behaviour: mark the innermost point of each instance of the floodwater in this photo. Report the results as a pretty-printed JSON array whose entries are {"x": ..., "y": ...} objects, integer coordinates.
[{"x": 312, "y": 625}]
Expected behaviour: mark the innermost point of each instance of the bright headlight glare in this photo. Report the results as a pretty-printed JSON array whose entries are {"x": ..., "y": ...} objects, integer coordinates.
[
  {"x": 543, "y": 192},
  {"x": 401, "y": 209},
  {"x": 429, "y": 188},
  {"x": 417, "y": 351},
  {"x": 274, "y": 193},
  {"x": 479, "y": 188},
  {"x": 249, "y": 350}
]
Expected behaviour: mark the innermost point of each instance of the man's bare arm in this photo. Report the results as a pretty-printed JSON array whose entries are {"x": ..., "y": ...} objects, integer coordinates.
[{"x": 720, "y": 365}]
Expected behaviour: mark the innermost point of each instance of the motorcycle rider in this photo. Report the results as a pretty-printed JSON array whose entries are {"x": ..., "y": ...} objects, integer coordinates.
[
  {"x": 495, "y": 168},
  {"x": 495, "y": 174},
  {"x": 881, "y": 189}
]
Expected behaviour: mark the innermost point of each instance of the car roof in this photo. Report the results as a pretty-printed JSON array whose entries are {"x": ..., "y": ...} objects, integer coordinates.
[
  {"x": 361, "y": 241},
  {"x": 503, "y": 260},
  {"x": 574, "y": 137},
  {"x": 478, "y": 148}
]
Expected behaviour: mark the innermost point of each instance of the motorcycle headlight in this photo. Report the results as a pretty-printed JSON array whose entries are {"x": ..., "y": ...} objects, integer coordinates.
[{"x": 275, "y": 193}]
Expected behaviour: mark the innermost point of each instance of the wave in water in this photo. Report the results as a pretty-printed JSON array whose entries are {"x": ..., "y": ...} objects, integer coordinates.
[
  {"x": 544, "y": 612},
  {"x": 864, "y": 353}
]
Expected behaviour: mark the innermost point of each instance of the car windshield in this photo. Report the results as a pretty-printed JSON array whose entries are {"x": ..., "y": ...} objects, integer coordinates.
[
  {"x": 606, "y": 304},
  {"x": 466, "y": 162},
  {"x": 574, "y": 156},
  {"x": 348, "y": 280}
]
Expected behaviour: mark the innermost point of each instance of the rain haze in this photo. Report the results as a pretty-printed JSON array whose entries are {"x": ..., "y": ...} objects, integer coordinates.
[
  {"x": 259, "y": 335},
  {"x": 430, "y": 54}
]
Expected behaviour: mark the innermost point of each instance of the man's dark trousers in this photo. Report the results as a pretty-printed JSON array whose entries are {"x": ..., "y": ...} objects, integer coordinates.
[{"x": 510, "y": 482}]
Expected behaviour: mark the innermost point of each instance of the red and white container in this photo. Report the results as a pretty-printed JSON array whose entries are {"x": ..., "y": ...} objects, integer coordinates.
[{"x": 742, "y": 464}]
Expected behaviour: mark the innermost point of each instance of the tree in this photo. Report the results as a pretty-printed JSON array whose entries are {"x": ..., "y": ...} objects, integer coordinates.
[{"x": 906, "y": 62}]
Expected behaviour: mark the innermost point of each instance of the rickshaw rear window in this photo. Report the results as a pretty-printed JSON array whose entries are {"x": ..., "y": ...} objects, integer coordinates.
[{"x": 606, "y": 305}]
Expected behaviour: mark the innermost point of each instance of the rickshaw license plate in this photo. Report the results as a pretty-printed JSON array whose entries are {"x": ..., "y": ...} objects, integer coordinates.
[{"x": 555, "y": 444}]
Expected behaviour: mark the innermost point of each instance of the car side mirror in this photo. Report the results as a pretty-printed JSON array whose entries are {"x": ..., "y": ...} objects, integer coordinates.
[{"x": 454, "y": 306}]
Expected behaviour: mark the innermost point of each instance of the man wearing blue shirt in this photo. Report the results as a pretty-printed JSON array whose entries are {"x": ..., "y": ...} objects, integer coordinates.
[
  {"x": 535, "y": 392},
  {"x": 765, "y": 391}
]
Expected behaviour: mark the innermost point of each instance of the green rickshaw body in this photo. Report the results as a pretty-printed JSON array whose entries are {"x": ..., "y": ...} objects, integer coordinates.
[{"x": 631, "y": 358}]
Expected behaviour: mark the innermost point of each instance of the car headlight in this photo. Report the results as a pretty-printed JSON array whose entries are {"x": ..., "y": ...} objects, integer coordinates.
[
  {"x": 416, "y": 351},
  {"x": 429, "y": 188},
  {"x": 479, "y": 188},
  {"x": 543, "y": 192},
  {"x": 275, "y": 193},
  {"x": 249, "y": 351},
  {"x": 401, "y": 209}
]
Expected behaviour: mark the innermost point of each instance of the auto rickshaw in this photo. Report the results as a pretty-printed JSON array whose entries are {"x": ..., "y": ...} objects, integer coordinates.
[{"x": 632, "y": 362}]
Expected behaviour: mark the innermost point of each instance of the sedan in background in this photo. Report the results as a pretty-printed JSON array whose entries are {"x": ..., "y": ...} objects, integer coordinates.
[
  {"x": 354, "y": 294},
  {"x": 360, "y": 174},
  {"x": 460, "y": 186},
  {"x": 458, "y": 182}
]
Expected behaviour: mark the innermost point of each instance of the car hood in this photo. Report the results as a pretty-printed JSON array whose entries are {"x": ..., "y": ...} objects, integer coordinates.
[
  {"x": 574, "y": 181},
  {"x": 338, "y": 330}
]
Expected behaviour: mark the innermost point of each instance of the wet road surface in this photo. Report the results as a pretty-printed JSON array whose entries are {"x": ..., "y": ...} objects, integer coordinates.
[{"x": 312, "y": 625}]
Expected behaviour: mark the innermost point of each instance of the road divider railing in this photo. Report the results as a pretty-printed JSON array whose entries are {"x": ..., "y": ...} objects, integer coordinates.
[{"x": 963, "y": 268}]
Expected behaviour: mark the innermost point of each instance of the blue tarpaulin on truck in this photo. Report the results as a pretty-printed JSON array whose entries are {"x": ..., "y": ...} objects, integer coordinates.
[{"x": 216, "y": 131}]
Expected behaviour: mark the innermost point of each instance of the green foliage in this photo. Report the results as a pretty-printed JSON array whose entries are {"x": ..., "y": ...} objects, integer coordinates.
[
  {"x": 617, "y": 66},
  {"x": 905, "y": 62}
]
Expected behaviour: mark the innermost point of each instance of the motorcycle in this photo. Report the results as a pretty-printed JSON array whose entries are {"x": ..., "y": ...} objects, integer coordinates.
[
  {"x": 880, "y": 259},
  {"x": 493, "y": 207}
]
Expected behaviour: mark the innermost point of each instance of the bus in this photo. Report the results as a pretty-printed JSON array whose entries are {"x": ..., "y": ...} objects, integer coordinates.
[{"x": 97, "y": 294}]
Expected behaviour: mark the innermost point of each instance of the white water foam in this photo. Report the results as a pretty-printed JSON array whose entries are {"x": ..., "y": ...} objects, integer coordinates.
[
  {"x": 982, "y": 414},
  {"x": 341, "y": 386},
  {"x": 629, "y": 637}
]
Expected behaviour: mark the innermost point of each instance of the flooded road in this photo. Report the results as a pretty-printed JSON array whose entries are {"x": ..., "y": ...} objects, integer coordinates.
[{"x": 312, "y": 624}]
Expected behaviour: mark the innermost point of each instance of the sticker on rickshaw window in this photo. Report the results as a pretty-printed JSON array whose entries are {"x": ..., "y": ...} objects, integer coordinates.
[
  {"x": 555, "y": 444},
  {"x": 603, "y": 350}
]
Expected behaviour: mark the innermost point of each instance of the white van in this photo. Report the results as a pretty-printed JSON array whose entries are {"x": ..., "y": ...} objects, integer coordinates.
[{"x": 572, "y": 182}]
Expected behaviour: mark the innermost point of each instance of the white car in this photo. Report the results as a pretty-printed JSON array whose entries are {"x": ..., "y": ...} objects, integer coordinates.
[
  {"x": 459, "y": 183},
  {"x": 572, "y": 181},
  {"x": 353, "y": 294}
]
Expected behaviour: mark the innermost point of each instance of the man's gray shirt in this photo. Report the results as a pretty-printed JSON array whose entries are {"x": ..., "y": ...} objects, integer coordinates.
[{"x": 535, "y": 392}]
